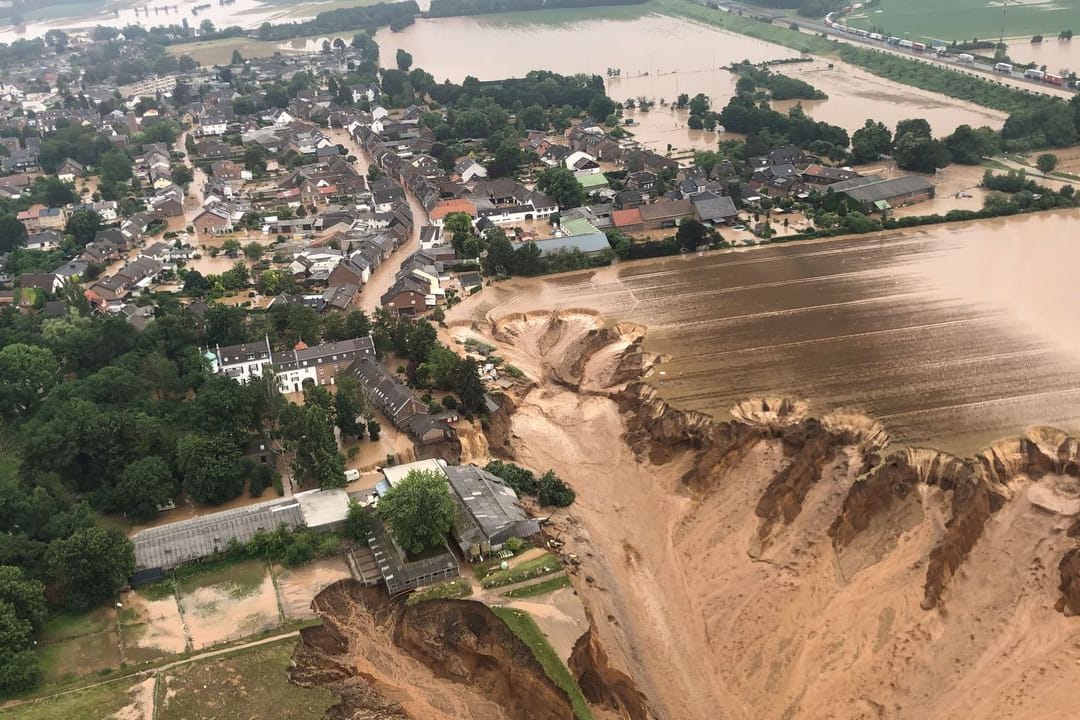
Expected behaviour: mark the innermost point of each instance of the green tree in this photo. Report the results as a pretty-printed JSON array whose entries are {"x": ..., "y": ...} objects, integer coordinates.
[
  {"x": 83, "y": 226},
  {"x": 357, "y": 522},
  {"x": 350, "y": 407},
  {"x": 182, "y": 175},
  {"x": 209, "y": 468},
  {"x": 26, "y": 374},
  {"x": 468, "y": 386},
  {"x": 562, "y": 186},
  {"x": 920, "y": 153},
  {"x": 1046, "y": 162},
  {"x": 968, "y": 147},
  {"x": 90, "y": 565},
  {"x": 870, "y": 142},
  {"x": 418, "y": 511},
  {"x": 231, "y": 246},
  {"x": 253, "y": 251},
  {"x": 115, "y": 166},
  {"x": 914, "y": 126},
  {"x": 144, "y": 485},
  {"x": 373, "y": 429},
  {"x": 19, "y": 668},
  {"x": 25, "y": 594},
  {"x": 553, "y": 491},
  {"x": 404, "y": 60},
  {"x": 310, "y": 428},
  {"x": 237, "y": 58},
  {"x": 12, "y": 233},
  {"x": 691, "y": 234}
]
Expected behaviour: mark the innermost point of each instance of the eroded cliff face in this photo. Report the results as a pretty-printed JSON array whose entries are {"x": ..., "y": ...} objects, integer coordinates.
[
  {"x": 451, "y": 659},
  {"x": 807, "y": 569}
]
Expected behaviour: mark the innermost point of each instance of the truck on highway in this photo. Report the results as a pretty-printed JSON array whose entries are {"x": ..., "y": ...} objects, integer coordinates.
[
  {"x": 906, "y": 44},
  {"x": 918, "y": 46},
  {"x": 1034, "y": 74},
  {"x": 965, "y": 58},
  {"x": 1003, "y": 68},
  {"x": 1053, "y": 79}
]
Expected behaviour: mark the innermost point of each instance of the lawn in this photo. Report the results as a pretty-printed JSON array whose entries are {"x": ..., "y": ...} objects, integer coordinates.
[
  {"x": 241, "y": 578},
  {"x": 731, "y": 22},
  {"x": 537, "y": 567},
  {"x": 96, "y": 702},
  {"x": 968, "y": 19},
  {"x": 249, "y": 683},
  {"x": 541, "y": 588},
  {"x": 522, "y": 625},
  {"x": 457, "y": 588},
  {"x": 219, "y": 52}
]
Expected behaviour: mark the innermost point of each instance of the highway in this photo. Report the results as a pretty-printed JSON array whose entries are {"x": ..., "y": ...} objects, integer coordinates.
[{"x": 978, "y": 69}]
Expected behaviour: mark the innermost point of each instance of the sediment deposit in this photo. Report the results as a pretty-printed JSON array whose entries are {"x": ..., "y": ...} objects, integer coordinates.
[
  {"x": 438, "y": 660},
  {"x": 782, "y": 566}
]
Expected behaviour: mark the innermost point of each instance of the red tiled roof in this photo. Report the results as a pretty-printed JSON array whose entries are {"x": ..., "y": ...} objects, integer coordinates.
[
  {"x": 446, "y": 207},
  {"x": 624, "y": 218}
]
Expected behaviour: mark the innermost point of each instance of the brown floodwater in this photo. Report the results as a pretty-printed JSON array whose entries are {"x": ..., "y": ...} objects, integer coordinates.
[
  {"x": 953, "y": 336},
  {"x": 660, "y": 57},
  {"x": 1059, "y": 56}
]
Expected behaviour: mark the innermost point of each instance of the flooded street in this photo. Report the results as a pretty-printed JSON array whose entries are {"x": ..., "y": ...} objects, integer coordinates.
[{"x": 953, "y": 336}]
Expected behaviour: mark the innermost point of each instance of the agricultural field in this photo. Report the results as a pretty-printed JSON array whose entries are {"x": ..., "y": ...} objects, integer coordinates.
[
  {"x": 250, "y": 683},
  {"x": 968, "y": 19}
]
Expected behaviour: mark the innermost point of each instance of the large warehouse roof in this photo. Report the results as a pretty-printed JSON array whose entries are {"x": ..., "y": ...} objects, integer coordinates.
[{"x": 170, "y": 545}]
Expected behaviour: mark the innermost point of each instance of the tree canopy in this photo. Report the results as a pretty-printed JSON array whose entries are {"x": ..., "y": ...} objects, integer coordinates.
[{"x": 418, "y": 511}]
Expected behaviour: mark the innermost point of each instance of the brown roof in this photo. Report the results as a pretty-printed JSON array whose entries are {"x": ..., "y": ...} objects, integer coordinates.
[
  {"x": 624, "y": 218},
  {"x": 668, "y": 209}
]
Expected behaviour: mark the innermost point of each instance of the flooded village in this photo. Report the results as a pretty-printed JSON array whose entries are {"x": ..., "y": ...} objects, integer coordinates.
[{"x": 346, "y": 376}]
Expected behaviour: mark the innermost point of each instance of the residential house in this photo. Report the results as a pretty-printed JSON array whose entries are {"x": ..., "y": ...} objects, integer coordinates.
[
  {"x": 43, "y": 240},
  {"x": 48, "y": 282},
  {"x": 213, "y": 220},
  {"x": 714, "y": 209},
  {"x": 69, "y": 170},
  {"x": 665, "y": 213},
  {"x": 409, "y": 295},
  {"x": 487, "y": 511},
  {"x": 468, "y": 170}
]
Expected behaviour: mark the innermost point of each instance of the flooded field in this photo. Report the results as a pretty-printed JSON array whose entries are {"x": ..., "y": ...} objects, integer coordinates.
[
  {"x": 952, "y": 336},
  {"x": 660, "y": 57}
]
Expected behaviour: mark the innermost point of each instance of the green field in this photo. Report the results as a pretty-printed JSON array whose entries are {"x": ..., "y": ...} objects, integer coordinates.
[
  {"x": 968, "y": 19},
  {"x": 99, "y": 701},
  {"x": 249, "y": 683}
]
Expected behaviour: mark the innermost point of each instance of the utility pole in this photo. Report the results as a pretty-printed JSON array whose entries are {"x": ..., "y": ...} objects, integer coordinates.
[{"x": 1004, "y": 7}]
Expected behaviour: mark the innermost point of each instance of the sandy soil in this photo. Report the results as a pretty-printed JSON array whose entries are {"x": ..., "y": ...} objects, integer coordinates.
[
  {"x": 561, "y": 617},
  {"x": 713, "y": 623},
  {"x": 156, "y": 625},
  {"x": 142, "y": 702},
  {"x": 297, "y": 586},
  {"x": 214, "y": 615}
]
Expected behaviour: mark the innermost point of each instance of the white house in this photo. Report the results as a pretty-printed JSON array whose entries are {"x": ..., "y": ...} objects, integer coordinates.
[
  {"x": 213, "y": 125},
  {"x": 470, "y": 170}
]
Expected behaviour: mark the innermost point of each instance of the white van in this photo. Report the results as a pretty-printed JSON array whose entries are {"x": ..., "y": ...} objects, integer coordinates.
[{"x": 352, "y": 475}]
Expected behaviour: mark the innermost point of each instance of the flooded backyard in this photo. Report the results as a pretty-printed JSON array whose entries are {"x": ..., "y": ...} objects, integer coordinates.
[{"x": 952, "y": 336}]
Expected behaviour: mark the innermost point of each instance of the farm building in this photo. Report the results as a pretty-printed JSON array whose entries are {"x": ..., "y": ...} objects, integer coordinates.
[
  {"x": 165, "y": 547},
  {"x": 874, "y": 194}
]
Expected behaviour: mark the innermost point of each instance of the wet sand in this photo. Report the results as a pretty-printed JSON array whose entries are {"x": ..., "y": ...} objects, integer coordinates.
[
  {"x": 216, "y": 613},
  {"x": 297, "y": 586},
  {"x": 952, "y": 336}
]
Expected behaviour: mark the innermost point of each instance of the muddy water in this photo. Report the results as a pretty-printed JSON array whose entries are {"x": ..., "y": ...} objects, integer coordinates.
[
  {"x": 952, "y": 337},
  {"x": 660, "y": 57},
  {"x": 245, "y": 13},
  {"x": 1059, "y": 56}
]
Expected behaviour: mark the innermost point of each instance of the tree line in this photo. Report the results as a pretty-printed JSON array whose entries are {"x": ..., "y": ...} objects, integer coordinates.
[{"x": 447, "y": 8}]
